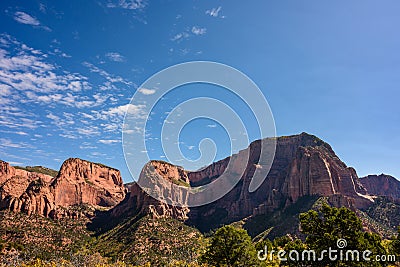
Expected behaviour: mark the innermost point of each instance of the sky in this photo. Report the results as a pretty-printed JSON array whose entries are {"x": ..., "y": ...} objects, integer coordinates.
[{"x": 68, "y": 71}]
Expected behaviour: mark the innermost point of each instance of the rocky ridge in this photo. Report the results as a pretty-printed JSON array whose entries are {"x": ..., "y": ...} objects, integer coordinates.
[
  {"x": 382, "y": 185},
  {"x": 304, "y": 165},
  {"x": 78, "y": 182}
]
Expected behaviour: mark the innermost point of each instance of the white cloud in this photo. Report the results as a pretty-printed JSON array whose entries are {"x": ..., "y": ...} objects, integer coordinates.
[
  {"x": 75, "y": 86},
  {"x": 214, "y": 12},
  {"x": 98, "y": 154},
  {"x": 110, "y": 79},
  {"x": 114, "y": 56},
  {"x": 69, "y": 136},
  {"x": 211, "y": 125},
  {"x": 4, "y": 142},
  {"x": 53, "y": 117},
  {"x": 88, "y": 131},
  {"x": 108, "y": 142},
  {"x": 146, "y": 91},
  {"x": 180, "y": 36},
  {"x": 87, "y": 145},
  {"x": 25, "y": 18},
  {"x": 135, "y": 110},
  {"x": 28, "y": 71},
  {"x": 109, "y": 127},
  {"x": 198, "y": 31},
  {"x": 127, "y": 4}
]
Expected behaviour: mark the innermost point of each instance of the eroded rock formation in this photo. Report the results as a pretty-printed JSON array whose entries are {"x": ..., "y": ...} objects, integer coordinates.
[
  {"x": 303, "y": 165},
  {"x": 78, "y": 182}
]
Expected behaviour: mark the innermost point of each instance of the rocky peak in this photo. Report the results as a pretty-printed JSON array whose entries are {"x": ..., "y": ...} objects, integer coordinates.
[
  {"x": 170, "y": 172},
  {"x": 78, "y": 182},
  {"x": 6, "y": 171},
  {"x": 304, "y": 165},
  {"x": 382, "y": 185},
  {"x": 79, "y": 170}
]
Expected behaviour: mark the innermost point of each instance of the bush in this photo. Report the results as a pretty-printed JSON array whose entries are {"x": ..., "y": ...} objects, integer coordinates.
[{"x": 230, "y": 246}]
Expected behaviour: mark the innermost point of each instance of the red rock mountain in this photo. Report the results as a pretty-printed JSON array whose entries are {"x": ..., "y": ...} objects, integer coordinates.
[
  {"x": 78, "y": 182},
  {"x": 382, "y": 185},
  {"x": 304, "y": 165}
]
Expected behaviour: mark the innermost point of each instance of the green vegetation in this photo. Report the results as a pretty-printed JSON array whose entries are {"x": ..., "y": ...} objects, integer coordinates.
[
  {"x": 38, "y": 237},
  {"x": 39, "y": 169},
  {"x": 386, "y": 213},
  {"x": 326, "y": 227},
  {"x": 180, "y": 183},
  {"x": 34, "y": 241},
  {"x": 230, "y": 246},
  {"x": 158, "y": 241},
  {"x": 396, "y": 243}
]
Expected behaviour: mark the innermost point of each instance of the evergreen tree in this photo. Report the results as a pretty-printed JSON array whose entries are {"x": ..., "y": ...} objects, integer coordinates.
[
  {"x": 231, "y": 247},
  {"x": 326, "y": 227}
]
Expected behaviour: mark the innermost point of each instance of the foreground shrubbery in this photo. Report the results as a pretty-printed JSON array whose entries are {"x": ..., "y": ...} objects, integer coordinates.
[
  {"x": 323, "y": 229},
  {"x": 63, "y": 263},
  {"x": 230, "y": 246}
]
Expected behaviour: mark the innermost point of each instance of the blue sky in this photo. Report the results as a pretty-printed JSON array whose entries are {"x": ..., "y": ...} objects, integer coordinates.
[{"x": 69, "y": 68}]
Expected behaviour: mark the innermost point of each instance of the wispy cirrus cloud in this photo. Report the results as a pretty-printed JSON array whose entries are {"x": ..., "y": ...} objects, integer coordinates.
[
  {"x": 5, "y": 142},
  {"x": 25, "y": 18},
  {"x": 127, "y": 4},
  {"x": 109, "y": 141},
  {"x": 114, "y": 56},
  {"x": 40, "y": 99},
  {"x": 194, "y": 31},
  {"x": 198, "y": 30},
  {"x": 27, "y": 70},
  {"x": 214, "y": 12},
  {"x": 180, "y": 36},
  {"x": 110, "y": 78}
]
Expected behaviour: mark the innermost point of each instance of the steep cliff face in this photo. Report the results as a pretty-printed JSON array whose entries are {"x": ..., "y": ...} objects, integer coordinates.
[
  {"x": 81, "y": 181},
  {"x": 382, "y": 185},
  {"x": 140, "y": 202},
  {"x": 78, "y": 182},
  {"x": 303, "y": 165}
]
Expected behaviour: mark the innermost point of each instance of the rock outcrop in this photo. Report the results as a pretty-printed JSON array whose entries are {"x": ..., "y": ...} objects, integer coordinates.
[
  {"x": 382, "y": 185},
  {"x": 81, "y": 181},
  {"x": 303, "y": 165},
  {"x": 78, "y": 182},
  {"x": 140, "y": 202}
]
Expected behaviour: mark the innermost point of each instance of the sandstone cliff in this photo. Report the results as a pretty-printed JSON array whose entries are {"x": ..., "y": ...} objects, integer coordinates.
[
  {"x": 382, "y": 185},
  {"x": 78, "y": 182},
  {"x": 304, "y": 165}
]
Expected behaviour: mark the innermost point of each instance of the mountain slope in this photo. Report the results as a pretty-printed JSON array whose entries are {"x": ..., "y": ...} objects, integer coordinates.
[
  {"x": 159, "y": 241},
  {"x": 304, "y": 165},
  {"x": 382, "y": 185}
]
